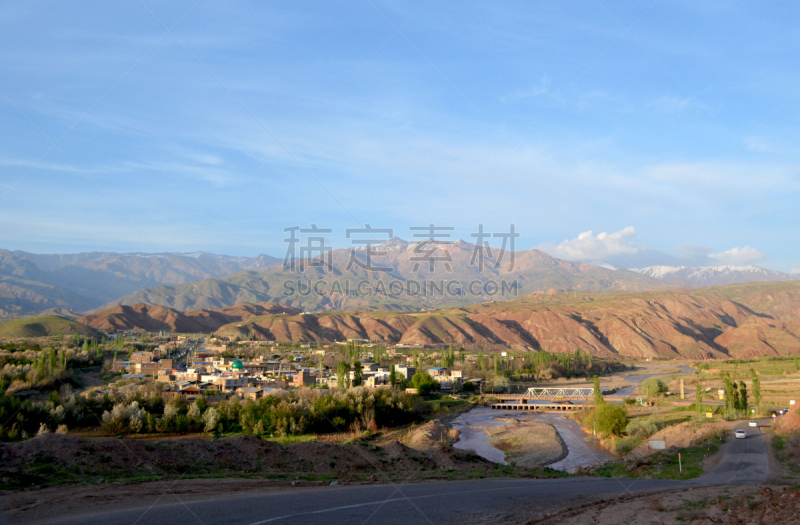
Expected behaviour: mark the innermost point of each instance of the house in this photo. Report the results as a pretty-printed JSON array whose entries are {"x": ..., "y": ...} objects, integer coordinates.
[
  {"x": 406, "y": 371},
  {"x": 369, "y": 367},
  {"x": 438, "y": 371},
  {"x": 165, "y": 376},
  {"x": 304, "y": 378},
  {"x": 375, "y": 381},
  {"x": 146, "y": 368},
  {"x": 141, "y": 357},
  {"x": 250, "y": 392}
]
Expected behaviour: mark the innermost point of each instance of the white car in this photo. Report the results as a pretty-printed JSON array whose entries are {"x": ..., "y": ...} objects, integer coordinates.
[
  {"x": 740, "y": 434},
  {"x": 753, "y": 424}
]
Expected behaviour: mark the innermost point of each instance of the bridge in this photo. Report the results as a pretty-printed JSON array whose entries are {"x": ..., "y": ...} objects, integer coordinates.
[
  {"x": 539, "y": 407},
  {"x": 559, "y": 399},
  {"x": 551, "y": 394}
]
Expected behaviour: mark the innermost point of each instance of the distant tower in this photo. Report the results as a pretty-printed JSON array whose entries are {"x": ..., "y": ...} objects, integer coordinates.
[{"x": 683, "y": 396}]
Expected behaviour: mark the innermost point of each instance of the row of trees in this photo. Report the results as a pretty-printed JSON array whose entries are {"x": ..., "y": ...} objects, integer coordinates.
[
  {"x": 737, "y": 400},
  {"x": 140, "y": 408}
]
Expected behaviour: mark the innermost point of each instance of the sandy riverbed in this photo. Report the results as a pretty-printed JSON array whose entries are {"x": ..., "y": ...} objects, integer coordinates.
[{"x": 527, "y": 439}]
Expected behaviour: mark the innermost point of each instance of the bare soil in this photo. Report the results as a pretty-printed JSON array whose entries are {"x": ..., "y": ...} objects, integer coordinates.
[
  {"x": 431, "y": 436},
  {"x": 528, "y": 443},
  {"x": 682, "y": 435},
  {"x": 726, "y": 504}
]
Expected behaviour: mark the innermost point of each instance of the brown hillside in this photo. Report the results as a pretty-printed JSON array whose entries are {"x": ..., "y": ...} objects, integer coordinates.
[
  {"x": 156, "y": 318},
  {"x": 737, "y": 321}
]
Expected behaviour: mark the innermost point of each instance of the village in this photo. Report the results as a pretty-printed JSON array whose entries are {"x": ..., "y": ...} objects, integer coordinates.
[{"x": 218, "y": 369}]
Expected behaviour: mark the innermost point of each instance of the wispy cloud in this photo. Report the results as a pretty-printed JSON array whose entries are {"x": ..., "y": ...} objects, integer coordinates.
[
  {"x": 739, "y": 256},
  {"x": 758, "y": 145},
  {"x": 542, "y": 88}
]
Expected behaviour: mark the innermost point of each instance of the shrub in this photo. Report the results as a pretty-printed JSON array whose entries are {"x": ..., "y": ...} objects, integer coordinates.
[
  {"x": 626, "y": 444},
  {"x": 424, "y": 383},
  {"x": 611, "y": 419},
  {"x": 211, "y": 419},
  {"x": 123, "y": 418},
  {"x": 641, "y": 428},
  {"x": 652, "y": 387}
]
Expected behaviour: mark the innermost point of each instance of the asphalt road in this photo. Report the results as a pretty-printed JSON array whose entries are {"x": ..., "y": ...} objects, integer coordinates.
[
  {"x": 445, "y": 502},
  {"x": 743, "y": 461}
]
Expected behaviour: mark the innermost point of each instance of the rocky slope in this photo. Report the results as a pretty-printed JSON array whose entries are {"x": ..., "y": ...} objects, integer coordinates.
[
  {"x": 739, "y": 321},
  {"x": 157, "y": 318}
]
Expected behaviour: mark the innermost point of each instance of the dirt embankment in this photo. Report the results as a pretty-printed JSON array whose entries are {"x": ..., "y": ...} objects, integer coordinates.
[
  {"x": 64, "y": 458},
  {"x": 686, "y": 434},
  {"x": 431, "y": 436},
  {"x": 732, "y": 505},
  {"x": 528, "y": 443}
]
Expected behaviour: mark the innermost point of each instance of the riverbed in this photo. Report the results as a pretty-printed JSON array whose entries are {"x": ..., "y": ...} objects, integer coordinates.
[{"x": 581, "y": 453}]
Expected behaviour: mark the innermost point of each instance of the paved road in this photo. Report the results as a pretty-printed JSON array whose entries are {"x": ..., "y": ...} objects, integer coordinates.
[
  {"x": 744, "y": 461},
  {"x": 446, "y": 502}
]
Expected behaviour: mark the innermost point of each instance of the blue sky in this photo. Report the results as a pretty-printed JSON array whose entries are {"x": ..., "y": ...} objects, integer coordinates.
[{"x": 669, "y": 125}]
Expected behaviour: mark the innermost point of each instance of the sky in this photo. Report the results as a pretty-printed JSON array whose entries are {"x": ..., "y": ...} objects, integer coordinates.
[{"x": 631, "y": 133}]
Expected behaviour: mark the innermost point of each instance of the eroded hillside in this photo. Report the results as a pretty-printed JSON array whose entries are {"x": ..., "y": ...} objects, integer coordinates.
[{"x": 739, "y": 321}]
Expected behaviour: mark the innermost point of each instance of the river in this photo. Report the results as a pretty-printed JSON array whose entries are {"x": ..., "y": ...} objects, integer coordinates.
[{"x": 582, "y": 452}]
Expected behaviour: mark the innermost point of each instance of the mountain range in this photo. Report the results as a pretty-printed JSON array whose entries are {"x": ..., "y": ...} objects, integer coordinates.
[
  {"x": 714, "y": 275},
  {"x": 33, "y": 282},
  {"x": 75, "y": 283},
  {"x": 746, "y": 320},
  {"x": 337, "y": 276}
]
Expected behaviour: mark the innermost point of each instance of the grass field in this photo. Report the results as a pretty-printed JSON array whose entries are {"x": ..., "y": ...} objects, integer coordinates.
[{"x": 43, "y": 326}]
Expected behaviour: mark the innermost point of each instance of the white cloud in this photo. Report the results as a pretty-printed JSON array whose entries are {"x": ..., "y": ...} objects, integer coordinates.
[
  {"x": 739, "y": 256},
  {"x": 588, "y": 246},
  {"x": 795, "y": 271}
]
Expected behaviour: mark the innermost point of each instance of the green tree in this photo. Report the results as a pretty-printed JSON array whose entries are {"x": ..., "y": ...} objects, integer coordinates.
[
  {"x": 598, "y": 394},
  {"x": 424, "y": 383},
  {"x": 698, "y": 398},
  {"x": 756, "y": 391},
  {"x": 449, "y": 358},
  {"x": 392, "y": 376},
  {"x": 743, "y": 396},
  {"x": 652, "y": 387},
  {"x": 731, "y": 396},
  {"x": 357, "y": 374},
  {"x": 611, "y": 419},
  {"x": 343, "y": 375}
]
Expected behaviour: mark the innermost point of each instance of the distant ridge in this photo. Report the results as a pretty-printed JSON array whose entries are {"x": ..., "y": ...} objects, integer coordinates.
[
  {"x": 32, "y": 282},
  {"x": 532, "y": 271},
  {"x": 715, "y": 275}
]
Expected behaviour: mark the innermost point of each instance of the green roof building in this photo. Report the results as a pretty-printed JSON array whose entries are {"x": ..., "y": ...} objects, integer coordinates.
[{"x": 237, "y": 365}]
